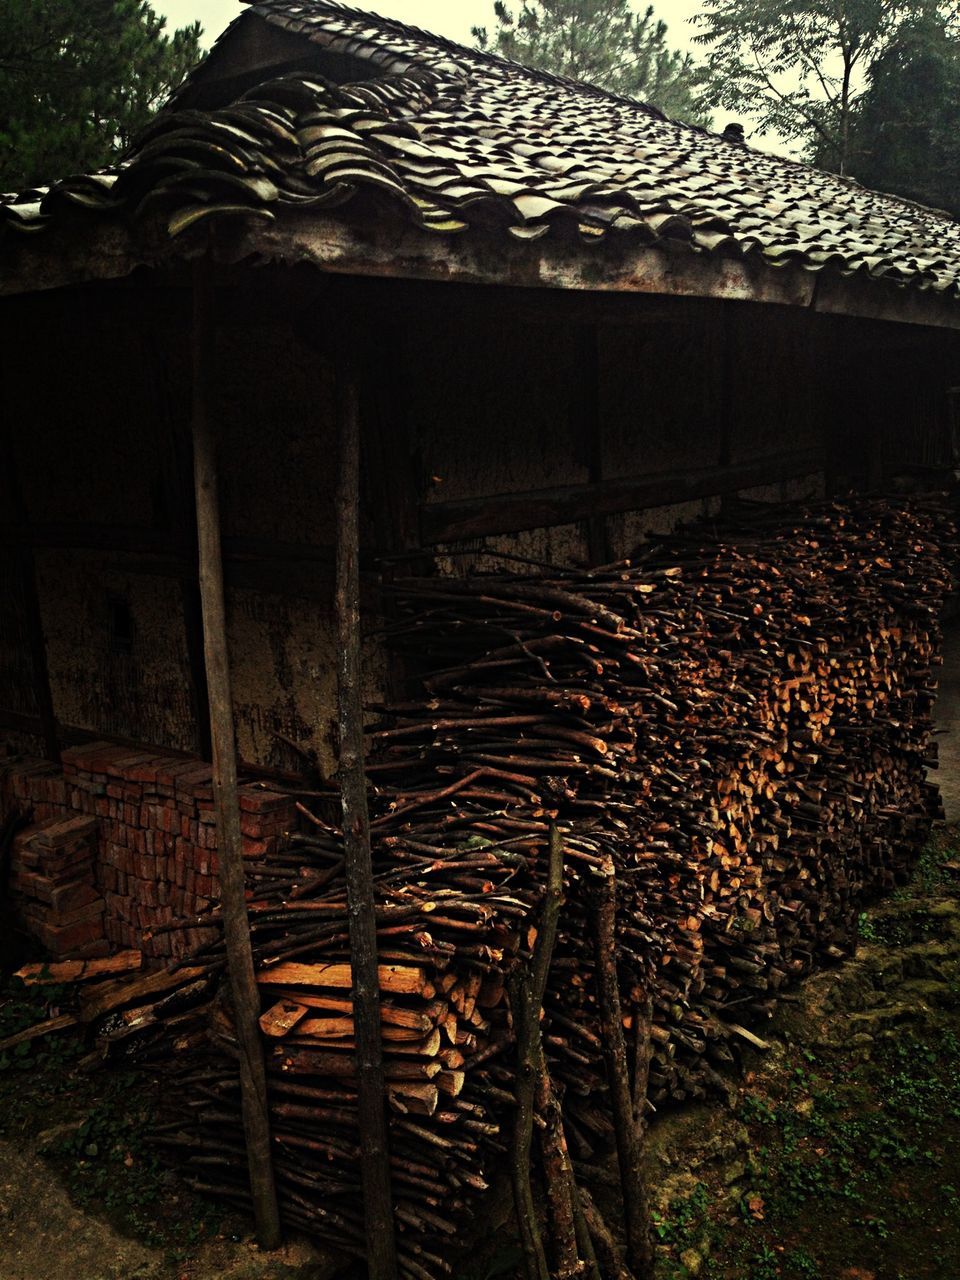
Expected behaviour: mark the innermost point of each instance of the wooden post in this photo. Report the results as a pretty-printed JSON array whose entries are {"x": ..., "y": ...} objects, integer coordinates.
[
  {"x": 636, "y": 1207},
  {"x": 527, "y": 998},
  {"x": 236, "y": 926},
  {"x": 374, "y": 1150}
]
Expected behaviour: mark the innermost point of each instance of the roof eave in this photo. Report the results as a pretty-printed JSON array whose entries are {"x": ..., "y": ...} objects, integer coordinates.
[{"x": 62, "y": 256}]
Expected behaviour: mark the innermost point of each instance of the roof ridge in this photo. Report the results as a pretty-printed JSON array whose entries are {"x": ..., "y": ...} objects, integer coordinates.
[{"x": 397, "y": 26}]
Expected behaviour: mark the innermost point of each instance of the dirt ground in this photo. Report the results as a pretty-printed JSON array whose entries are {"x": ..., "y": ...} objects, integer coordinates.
[{"x": 45, "y": 1236}]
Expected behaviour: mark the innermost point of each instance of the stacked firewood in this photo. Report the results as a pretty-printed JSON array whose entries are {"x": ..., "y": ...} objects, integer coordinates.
[{"x": 736, "y": 724}]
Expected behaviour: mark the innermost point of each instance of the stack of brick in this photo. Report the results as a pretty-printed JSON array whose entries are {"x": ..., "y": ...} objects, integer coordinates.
[
  {"x": 157, "y": 855},
  {"x": 53, "y": 878},
  {"x": 34, "y": 787}
]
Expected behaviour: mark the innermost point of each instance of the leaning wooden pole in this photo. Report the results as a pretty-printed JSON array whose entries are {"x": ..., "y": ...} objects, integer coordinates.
[
  {"x": 528, "y": 994},
  {"x": 636, "y": 1208},
  {"x": 374, "y": 1148},
  {"x": 236, "y": 926}
]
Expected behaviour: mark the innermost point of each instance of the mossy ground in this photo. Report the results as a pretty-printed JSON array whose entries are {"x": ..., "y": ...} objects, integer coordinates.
[{"x": 842, "y": 1145}]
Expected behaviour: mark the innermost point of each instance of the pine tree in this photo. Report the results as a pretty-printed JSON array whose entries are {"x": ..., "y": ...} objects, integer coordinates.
[
  {"x": 78, "y": 79},
  {"x": 602, "y": 42},
  {"x": 905, "y": 136}
]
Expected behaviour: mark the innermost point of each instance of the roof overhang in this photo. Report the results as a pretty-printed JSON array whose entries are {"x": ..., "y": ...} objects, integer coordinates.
[{"x": 74, "y": 252}]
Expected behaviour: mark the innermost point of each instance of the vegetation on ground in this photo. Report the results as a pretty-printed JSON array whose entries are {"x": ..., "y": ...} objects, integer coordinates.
[
  {"x": 93, "y": 1126},
  {"x": 849, "y": 1164}
]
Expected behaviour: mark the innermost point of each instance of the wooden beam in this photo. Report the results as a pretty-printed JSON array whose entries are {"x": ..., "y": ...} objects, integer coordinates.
[
  {"x": 236, "y": 926},
  {"x": 77, "y": 253},
  {"x": 374, "y": 1149},
  {"x": 542, "y": 508}
]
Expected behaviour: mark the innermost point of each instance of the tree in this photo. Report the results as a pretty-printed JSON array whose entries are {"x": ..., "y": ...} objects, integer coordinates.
[
  {"x": 601, "y": 42},
  {"x": 798, "y": 67},
  {"x": 78, "y": 79},
  {"x": 905, "y": 135}
]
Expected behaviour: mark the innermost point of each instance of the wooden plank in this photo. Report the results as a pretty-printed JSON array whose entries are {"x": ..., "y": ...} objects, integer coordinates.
[
  {"x": 282, "y": 1017},
  {"x": 60, "y": 1023},
  {"x": 390, "y": 1014},
  {"x": 96, "y": 1001},
  {"x": 375, "y": 1174},
  {"x": 543, "y": 508},
  {"x": 79, "y": 970},
  {"x": 398, "y": 979},
  {"x": 236, "y": 925}
]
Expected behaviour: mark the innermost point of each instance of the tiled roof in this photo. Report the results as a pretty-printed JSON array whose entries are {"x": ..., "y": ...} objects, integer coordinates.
[{"x": 451, "y": 139}]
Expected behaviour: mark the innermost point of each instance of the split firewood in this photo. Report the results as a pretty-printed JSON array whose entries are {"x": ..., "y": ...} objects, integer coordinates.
[
  {"x": 739, "y": 719},
  {"x": 62, "y": 1022},
  {"x": 66, "y": 971}
]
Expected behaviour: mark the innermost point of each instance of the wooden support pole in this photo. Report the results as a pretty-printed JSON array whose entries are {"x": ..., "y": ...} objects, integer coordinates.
[
  {"x": 374, "y": 1149},
  {"x": 236, "y": 926},
  {"x": 571, "y": 1235},
  {"x": 636, "y": 1208},
  {"x": 527, "y": 1007}
]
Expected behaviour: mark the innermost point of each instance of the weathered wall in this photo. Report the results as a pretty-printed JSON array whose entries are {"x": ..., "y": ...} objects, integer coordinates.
[{"x": 466, "y": 394}]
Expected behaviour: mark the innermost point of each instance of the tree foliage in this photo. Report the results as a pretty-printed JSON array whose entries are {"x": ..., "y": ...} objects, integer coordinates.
[
  {"x": 78, "y": 78},
  {"x": 798, "y": 66},
  {"x": 905, "y": 134},
  {"x": 602, "y": 42}
]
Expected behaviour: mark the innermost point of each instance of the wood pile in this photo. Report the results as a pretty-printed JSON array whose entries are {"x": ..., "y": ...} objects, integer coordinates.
[{"x": 735, "y": 725}]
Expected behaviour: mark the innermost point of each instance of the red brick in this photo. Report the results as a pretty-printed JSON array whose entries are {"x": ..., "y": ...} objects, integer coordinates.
[
  {"x": 57, "y": 834},
  {"x": 257, "y": 848},
  {"x": 146, "y": 770},
  {"x": 85, "y": 757},
  {"x": 187, "y": 780},
  {"x": 168, "y": 774},
  {"x": 118, "y": 762},
  {"x": 73, "y": 936},
  {"x": 260, "y": 800},
  {"x": 89, "y": 911}
]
